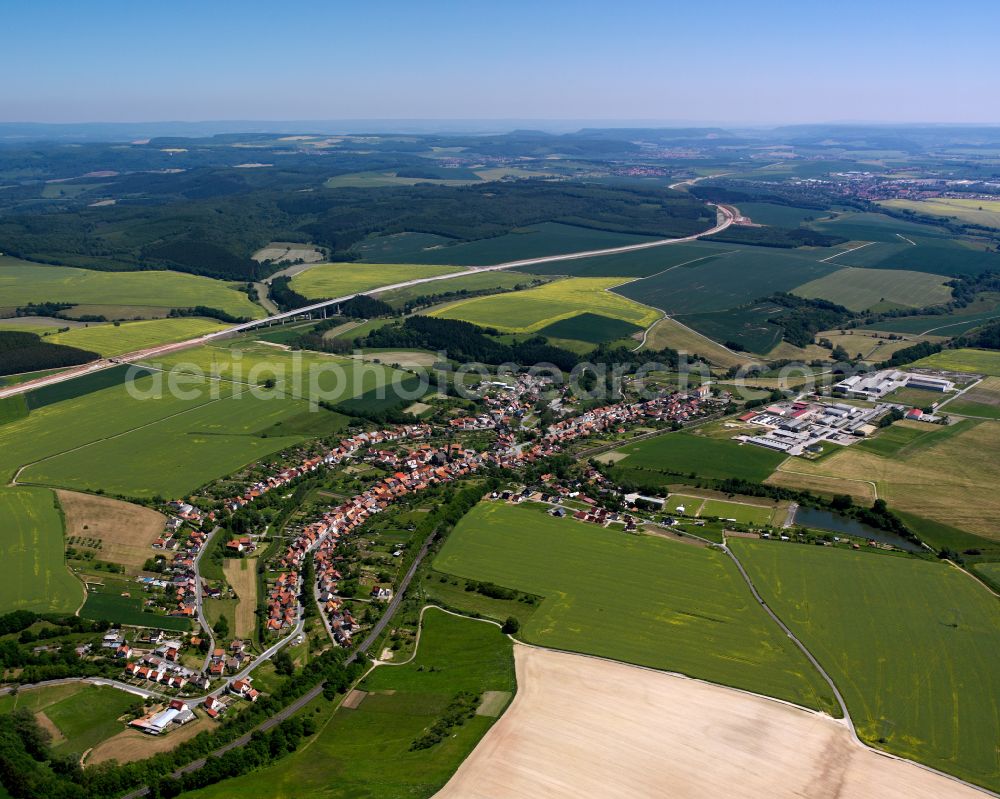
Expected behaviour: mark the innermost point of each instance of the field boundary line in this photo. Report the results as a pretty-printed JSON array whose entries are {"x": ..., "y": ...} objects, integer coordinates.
[
  {"x": 14, "y": 480},
  {"x": 972, "y": 575},
  {"x": 845, "y": 252},
  {"x": 843, "y": 704}
]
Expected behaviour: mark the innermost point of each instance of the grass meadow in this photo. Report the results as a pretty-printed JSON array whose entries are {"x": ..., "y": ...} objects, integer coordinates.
[
  {"x": 338, "y": 280},
  {"x": 861, "y": 289},
  {"x": 105, "y": 602},
  {"x": 912, "y": 644},
  {"x": 978, "y": 212},
  {"x": 33, "y": 568},
  {"x": 364, "y": 753},
  {"x": 531, "y": 310},
  {"x": 665, "y": 458},
  {"x": 117, "y": 339},
  {"x": 982, "y": 400},
  {"x": 939, "y": 478},
  {"x": 984, "y": 362},
  {"x": 480, "y": 281},
  {"x": 789, "y": 216},
  {"x": 22, "y": 282},
  {"x": 740, "y": 512},
  {"x": 638, "y": 599},
  {"x": 84, "y": 715}
]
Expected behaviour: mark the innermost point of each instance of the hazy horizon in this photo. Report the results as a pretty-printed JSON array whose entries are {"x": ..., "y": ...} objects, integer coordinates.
[{"x": 772, "y": 63}]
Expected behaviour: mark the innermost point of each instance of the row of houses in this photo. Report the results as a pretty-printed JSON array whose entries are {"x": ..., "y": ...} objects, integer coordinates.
[{"x": 415, "y": 470}]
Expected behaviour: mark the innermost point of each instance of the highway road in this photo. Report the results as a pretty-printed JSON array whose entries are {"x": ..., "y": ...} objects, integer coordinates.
[{"x": 726, "y": 214}]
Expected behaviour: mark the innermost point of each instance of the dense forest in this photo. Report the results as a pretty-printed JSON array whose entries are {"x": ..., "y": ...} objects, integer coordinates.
[
  {"x": 211, "y": 218},
  {"x": 27, "y": 352},
  {"x": 801, "y": 319},
  {"x": 466, "y": 342}
]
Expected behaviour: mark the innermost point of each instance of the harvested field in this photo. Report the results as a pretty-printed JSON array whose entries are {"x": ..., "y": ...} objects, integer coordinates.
[
  {"x": 126, "y": 531},
  {"x": 130, "y": 745},
  {"x": 241, "y": 574},
  {"x": 662, "y": 735},
  {"x": 861, "y": 492},
  {"x": 940, "y": 479},
  {"x": 412, "y": 359}
]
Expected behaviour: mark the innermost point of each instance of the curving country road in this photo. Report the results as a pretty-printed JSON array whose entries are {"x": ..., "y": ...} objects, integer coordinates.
[
  {"x": 316, "y": 690},
  {"x": 727, "y": 215}
]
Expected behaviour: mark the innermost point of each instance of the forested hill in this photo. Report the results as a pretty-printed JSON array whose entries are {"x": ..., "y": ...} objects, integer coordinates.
[{"x": 211, "y": 221}]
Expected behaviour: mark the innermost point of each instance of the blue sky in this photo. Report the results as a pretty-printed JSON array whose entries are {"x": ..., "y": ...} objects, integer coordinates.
[{"x": 753, "y": 61}]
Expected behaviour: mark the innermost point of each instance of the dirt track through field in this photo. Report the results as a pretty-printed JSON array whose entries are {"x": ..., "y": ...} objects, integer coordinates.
[
  {"x": 589, "y": 729},
  {"x": 242, "y": 576}
]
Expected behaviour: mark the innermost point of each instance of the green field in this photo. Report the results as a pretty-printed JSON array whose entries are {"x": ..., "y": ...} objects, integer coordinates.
[
  {"x": 639, "y": 263},
  {"x": 34, "y": 570},
  {"x": 548, "y": 238},
  {"x": 591, "y": 328},
  {"x": 895, "y": 440},
  {"x": 864, "y": 226},
  {"x": 917, "y": 397},
  {"x": 303, "y": 374},
  {"x": 175, "y": 455},
  {"x": 912, "y": 644},
  {"x": 978, "y": 212},
  {"x": 861, "y": 289},
  {"x": 899, "y": 244},
  {"x": 742, "y": 513},
  {"x": 372, "y": 179},
  {"x": 13, "y": 408},
  {"x": 983, "y": 399},
  {"x": 665, "y": 458},
  {"x": 984, "y": 362},
  {"x": 991, "y": 572},
  {"x": 749, "y": 327},
  {"x": 172, "y": 443},
  {"x": 365, "y": 753},
  {"x": 481, "y": 281},
  {"x": 789, "y": 216},
  {"x": 953, "y": 324},
  {"x": 739, "y": 275},
  {"x": 338, "y": 280},
  {"x": 639, "y": 599},
  {"x": 533, "y": 309},
  {"x": 22, "y": 282},
  {"x": 108, "y": 604},
  {"x": 85, "y": 715},
  {"x": 109, "y": 339}
]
